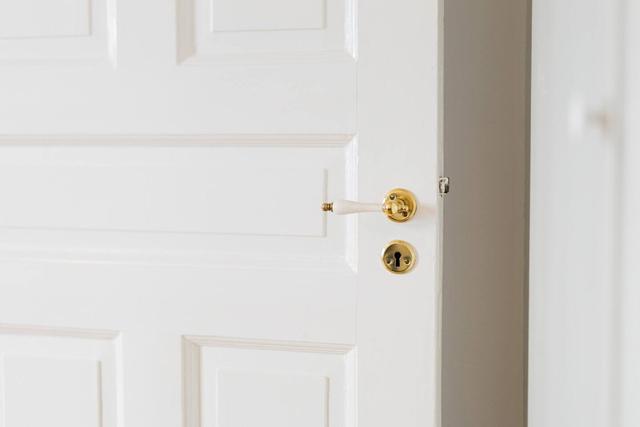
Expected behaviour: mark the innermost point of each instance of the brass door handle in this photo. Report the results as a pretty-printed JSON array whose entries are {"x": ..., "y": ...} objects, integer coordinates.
[{"x": 399, "y": 205}]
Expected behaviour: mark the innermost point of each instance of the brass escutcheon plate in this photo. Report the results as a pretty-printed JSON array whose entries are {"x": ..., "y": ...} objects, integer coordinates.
[
  {"x": 399, "y": 257},
  {"x": 399, "y": 205}
]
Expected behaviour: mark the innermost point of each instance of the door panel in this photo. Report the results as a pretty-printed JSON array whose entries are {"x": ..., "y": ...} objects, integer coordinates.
[
  {"x": 46, "y": 32},
  {"x": 180, "y": 200},
  {"x": 253, "y": 30},
  {"x": 64, "y": 374},
  {"x": 284, "y": 383},
  {"x": 164, "y": 259}
]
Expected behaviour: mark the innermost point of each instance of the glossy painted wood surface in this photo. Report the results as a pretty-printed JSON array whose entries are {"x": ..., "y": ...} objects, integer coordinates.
[{"x": 164, "y": 258}]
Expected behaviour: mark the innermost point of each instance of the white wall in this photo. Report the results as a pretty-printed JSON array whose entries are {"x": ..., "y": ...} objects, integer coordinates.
[
  {"x": 629, "y": 294},
  {"x": 585, "y": 214}
]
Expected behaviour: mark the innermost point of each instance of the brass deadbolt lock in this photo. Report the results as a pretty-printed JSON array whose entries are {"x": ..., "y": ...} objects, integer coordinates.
[{"x": 399, "y": 257}]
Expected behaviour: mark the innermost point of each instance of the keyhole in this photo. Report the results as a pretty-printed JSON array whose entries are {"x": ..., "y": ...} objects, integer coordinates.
[{"x": 397, "y": 256}]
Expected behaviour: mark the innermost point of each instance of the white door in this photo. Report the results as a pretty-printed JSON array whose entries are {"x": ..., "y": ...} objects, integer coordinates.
[{"x": 165, "y": 261}]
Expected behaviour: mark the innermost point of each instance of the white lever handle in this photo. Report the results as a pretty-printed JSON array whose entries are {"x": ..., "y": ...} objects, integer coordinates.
[
  {"x": 399, "y": 205},
  {"x": 346, "y": 207}
]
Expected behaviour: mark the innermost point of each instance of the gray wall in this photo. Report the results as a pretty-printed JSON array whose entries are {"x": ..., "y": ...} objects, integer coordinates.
[{"x": 485, "y": 153}]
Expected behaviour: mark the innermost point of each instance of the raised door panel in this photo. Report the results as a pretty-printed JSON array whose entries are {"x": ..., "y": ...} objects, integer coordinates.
[
  {"x": 221, "y": 201},
  {"x": 47, "y": 31},
  {"x": 282, "y": 31},
  {"x": 45, "y": 18},
  {"x": 39, "y": 391},
  {"x": 282, "y": 399},
  {"x": 274, "y": 15},
  {"x": 58, "y": 377},
  {"x": 236, "y": 383}
]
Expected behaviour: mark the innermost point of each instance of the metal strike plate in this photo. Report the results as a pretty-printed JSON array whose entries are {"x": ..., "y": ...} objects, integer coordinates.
[{"x": 399, "y": 257}]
